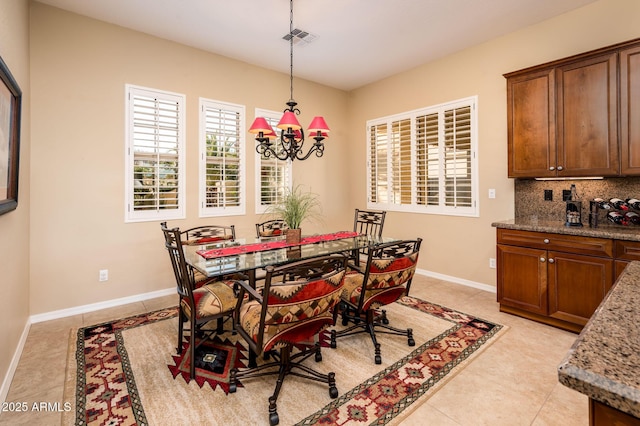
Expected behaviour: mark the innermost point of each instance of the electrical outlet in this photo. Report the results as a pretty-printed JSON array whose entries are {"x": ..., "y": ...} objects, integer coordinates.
[
  {"x": 548, "y": 195},
  {"x": 492, "y": 193},
  {"x": 566, "y": 194},
  {"x": 103, "y": 275},
  {"x": 492, "y": 263}
]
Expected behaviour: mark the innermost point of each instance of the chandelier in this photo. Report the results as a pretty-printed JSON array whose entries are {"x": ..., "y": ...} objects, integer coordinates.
[{"x": 291, "y": 133}]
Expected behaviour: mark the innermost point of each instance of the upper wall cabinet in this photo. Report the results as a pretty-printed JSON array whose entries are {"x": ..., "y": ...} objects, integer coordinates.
[
  {"x": 630, "y": 111},
  {"x": 564, "y": 118}
]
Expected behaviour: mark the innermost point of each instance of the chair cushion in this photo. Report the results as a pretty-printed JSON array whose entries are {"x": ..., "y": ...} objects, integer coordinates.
[
  {"x": 211, "y": 299},
  {"x": 279, "y": 334},
  {"x": 296, "y": 311},
  {"x": 385, "y": 283}
]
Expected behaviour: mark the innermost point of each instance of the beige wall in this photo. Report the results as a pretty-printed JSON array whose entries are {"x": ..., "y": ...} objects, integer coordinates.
[
  {"x": 456, "y": 246},
  {"x": 79, "y": 70},
  {"x": 14, "y": 226}
]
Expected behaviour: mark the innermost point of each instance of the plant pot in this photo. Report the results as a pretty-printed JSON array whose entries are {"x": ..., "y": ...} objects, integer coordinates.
[
  {"x": 294, "y": 252},
  {"x": 294, "y": 236}
]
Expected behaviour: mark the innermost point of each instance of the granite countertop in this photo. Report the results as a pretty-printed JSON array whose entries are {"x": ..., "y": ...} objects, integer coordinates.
[
  {"x": 616, "y": 232},
  {"x": 604, "y": 361}
]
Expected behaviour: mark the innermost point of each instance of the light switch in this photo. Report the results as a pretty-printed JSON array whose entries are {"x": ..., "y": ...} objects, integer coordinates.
[{"x": 492, "y": 193}]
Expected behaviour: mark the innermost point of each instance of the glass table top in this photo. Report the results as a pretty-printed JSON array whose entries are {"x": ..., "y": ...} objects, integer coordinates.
[{"x": 251, "y": 261}]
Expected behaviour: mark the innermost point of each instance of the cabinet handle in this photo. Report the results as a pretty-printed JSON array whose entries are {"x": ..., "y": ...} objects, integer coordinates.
[
  {"x": 542, "y": 259},
  {"x": 552, "y": 168},
  {"x": 546, "y": 241},
  {"x": 559, "y": 168},
  {"x": 551, "y": 260}
]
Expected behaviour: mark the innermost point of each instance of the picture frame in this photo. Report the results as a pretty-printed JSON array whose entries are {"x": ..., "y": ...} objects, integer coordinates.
[{"x": 10, "y": 110}]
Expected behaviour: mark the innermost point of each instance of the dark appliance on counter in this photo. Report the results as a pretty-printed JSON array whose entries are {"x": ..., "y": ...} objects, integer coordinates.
[{"x": 573, "y": 213}]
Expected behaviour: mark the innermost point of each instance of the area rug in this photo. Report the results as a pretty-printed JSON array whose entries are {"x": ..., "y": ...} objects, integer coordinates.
[{"x": 126, "y": 372}]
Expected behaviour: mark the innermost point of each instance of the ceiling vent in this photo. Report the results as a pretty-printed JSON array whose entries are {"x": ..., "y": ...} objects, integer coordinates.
[{"x": 300, "y": 38}]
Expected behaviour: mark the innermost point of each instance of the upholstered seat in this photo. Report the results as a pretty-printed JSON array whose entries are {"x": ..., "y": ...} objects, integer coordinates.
[
  {"x": 387, "y": 277},
  {"x": 211, "y": 299}
]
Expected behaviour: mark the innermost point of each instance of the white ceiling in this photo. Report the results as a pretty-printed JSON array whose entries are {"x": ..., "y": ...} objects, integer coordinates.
[{"x": 358, "y": 41}]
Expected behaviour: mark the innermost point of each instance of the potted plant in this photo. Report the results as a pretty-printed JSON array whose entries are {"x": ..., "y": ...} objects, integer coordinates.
[{"x": 296, "y": 206}]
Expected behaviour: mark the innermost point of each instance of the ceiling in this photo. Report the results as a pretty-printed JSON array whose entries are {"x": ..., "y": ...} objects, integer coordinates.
[{"x": 357, "y": 41}]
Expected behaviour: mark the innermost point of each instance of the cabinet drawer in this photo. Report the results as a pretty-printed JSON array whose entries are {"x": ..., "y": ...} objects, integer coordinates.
[
  {"x": 627, "y": 250},
  {"x": 558, "y": 242}
]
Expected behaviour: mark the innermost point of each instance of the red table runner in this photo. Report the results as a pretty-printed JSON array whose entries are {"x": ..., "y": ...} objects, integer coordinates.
[{"x": 272, "y": 245}]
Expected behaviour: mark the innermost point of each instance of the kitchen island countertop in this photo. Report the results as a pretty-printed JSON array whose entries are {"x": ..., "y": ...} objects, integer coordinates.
[{"x": 604, "y": 361}]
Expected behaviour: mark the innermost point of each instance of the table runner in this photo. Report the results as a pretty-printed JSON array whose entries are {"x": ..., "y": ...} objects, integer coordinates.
[{"x": 272, "y": 245}]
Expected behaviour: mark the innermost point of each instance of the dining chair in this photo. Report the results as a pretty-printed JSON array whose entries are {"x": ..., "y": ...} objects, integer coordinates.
[
  {"x": 215, "y": 300},
  {"x": 286, "y": 316},
  {"x": 386, "y": 277},
  {"x": 367, "y": 222},
  {"x": 208, "y": 234},
  {"x": 271, "y": 228}
]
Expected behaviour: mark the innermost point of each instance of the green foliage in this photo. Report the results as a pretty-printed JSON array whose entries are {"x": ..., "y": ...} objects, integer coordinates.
[{"x": 296, "y": 206}]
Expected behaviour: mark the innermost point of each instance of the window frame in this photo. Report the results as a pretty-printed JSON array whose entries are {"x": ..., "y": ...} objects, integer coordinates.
[
  {"x": 414, "y": 206},
  {"x": 272, "y": 118},
  {"x": 131, "y": 214},
  {"x": 205, "y": 211}
]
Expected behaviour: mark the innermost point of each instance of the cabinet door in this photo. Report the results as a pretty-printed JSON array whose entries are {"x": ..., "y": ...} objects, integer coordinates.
[
  {"x": 587, "y": 110},
  {"x": 577, "y": 285},
  {"x": 630, "y": 111},
  {"x": 531, "y": 129},
  {"x": 522, "y": 278}
]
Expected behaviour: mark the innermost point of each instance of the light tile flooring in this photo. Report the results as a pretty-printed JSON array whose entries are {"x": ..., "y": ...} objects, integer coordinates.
[{"x": 513, "y": 382}]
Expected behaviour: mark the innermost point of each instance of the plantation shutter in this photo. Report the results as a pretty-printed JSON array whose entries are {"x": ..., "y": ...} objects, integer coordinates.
[
  {"x": 378, "y": 177},
  {"x": 428, "y": 159},
  {"x": 457, "y": 163},
  {"x": 424, "y": 160},
  {"x": 274, "y": 175},
  {"x": 400, "y": 150},
  {"x": 155, "y": 183},
  {"x": 222, "y": 159}
]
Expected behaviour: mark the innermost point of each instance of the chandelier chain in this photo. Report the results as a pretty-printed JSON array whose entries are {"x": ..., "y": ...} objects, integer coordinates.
[{"x": 291, "y": 49}]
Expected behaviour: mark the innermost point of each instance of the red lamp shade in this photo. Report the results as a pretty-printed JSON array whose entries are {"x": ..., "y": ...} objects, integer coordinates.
[
  {"x": 318, "y": 125},
  {"x": 261, "y": 125},
  {"x": 289, "y": 121}
]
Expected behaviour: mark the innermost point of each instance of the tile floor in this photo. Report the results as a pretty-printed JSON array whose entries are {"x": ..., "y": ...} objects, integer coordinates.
[{"x": 513, "y": 382}]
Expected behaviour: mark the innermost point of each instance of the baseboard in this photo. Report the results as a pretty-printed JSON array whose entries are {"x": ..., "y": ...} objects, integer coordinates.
[
  {"x": 456, "y": 280},
  {"x": 101, "y": 305},
  {"x": 8, "y": 378}
]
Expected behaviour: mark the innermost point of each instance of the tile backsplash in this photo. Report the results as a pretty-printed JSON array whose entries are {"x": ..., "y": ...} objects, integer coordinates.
[{"x": 530, "y": 202}]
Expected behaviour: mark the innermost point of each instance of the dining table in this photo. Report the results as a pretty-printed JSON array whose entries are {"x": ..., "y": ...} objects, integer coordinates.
[{"x": 246, "y": 256}]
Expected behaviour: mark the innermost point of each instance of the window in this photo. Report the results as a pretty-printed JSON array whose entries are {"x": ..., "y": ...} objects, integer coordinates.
[
  {"x": 155, "y": 171},
  {"x": 222, "y": 159},
  {"x": 273, "y": 176},
  {"x": 425, "y": 160}
]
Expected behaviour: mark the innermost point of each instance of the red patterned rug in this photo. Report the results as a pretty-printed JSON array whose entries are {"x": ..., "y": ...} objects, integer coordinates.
[{"x": 105, "y": 385}]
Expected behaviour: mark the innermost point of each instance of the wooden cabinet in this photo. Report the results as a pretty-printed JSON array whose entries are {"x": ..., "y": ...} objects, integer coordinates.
[
  {"x": 587, "y": 117},
  {"x": 576, "y": 117},
  {"x": 531, "y": 124},
  {"x": 553, "y": 278},
  {"x": 626, "y": 251},
  {"x": 630, "y": 111},
  {"x": 604, "y": 415}
]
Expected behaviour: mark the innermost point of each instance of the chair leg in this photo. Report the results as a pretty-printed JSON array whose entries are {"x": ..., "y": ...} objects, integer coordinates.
[
  {"x": 192, "y": 349},
  {"x": 181, "y": 322}
]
